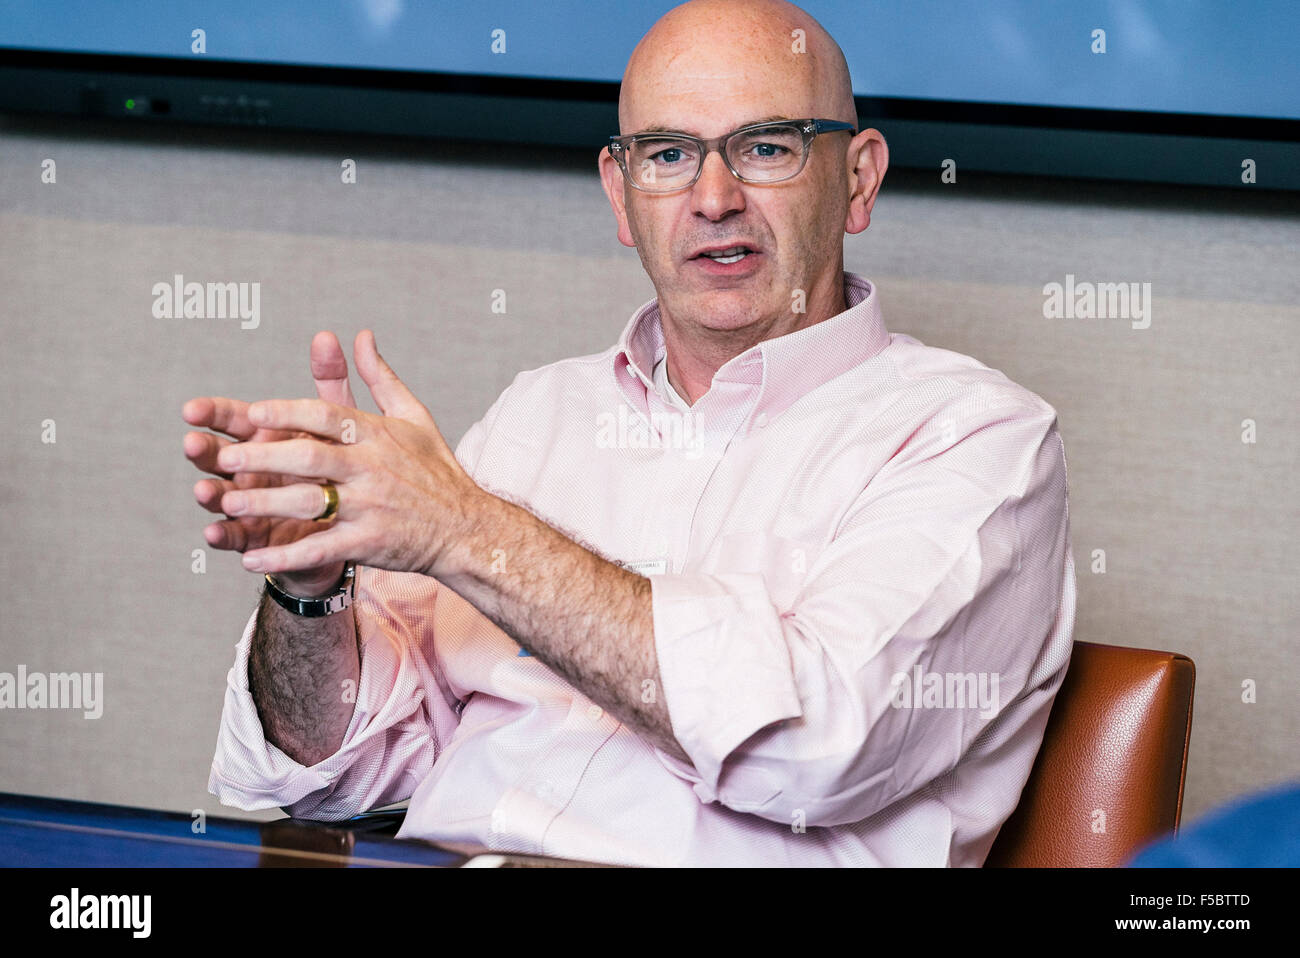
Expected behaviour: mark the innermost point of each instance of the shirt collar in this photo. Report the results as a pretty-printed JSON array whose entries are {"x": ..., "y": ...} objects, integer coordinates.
[{"x": 779, "y": 370}]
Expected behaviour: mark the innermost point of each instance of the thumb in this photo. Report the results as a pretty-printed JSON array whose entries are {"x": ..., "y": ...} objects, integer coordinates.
[
  {"x": 329, "y": 367},
  {"x": 390, "y": 393}
]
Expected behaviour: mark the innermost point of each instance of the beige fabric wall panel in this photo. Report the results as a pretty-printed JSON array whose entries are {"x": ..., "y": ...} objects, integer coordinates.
[{"x": 1198, "y": 528}]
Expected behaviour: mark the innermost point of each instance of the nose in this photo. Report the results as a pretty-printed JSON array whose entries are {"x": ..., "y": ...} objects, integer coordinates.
[{"x": 717, "y": 192}]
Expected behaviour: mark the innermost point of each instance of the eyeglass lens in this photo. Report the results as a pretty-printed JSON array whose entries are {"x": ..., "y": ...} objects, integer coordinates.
[{"x": 761, "y": 155}]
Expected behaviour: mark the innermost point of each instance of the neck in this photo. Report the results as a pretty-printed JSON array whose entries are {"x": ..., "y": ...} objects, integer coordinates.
[{"x": 695, "y": 353}]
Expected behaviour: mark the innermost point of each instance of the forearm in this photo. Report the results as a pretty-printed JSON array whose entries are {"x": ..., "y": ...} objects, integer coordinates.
[
  {"x": 588, "y": 619},
  {"x": 303, "y": 675}
]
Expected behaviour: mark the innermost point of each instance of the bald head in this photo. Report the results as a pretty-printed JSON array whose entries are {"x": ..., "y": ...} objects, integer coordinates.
[{"x": 729, "y": 59}]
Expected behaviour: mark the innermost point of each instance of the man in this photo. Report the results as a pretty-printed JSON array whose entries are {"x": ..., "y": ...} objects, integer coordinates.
[{"x": 815, "y": 614}]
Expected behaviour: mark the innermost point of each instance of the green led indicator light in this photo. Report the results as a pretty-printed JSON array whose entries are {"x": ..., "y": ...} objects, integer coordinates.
[{"x": 130, "y": 104}]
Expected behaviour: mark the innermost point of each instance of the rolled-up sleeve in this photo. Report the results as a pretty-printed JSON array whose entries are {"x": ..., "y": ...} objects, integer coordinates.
[
  {"x": 402, "y": 711},
  {"x": 952, "y": 561}
]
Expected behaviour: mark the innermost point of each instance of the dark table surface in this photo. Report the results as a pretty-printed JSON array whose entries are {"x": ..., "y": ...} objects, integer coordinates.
[{"x": 60, "y": 833}]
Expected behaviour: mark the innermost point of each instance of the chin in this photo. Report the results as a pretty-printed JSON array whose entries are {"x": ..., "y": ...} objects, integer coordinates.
[{"x": 725, "y": 309}]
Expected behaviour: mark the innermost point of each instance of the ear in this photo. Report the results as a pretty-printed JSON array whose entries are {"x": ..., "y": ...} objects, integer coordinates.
[
  {"x": 611, "y": 178},
  {"x": 868, "y": 158}
]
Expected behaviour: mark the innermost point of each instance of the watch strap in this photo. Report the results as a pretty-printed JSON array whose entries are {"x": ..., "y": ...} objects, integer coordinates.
[{"x": 336, "y": 601}]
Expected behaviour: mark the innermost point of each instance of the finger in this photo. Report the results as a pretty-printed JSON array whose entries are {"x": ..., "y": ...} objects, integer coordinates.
[
  {"x": 309, "y": 458},
  {"x": 390, "y": 393},
  {"x": 201, "y": 448},
  {"x": 316, "y": 416},
  {"x": 332, "y": 545},
  {"x": 236, "y": 535},
  {"x": 329, "y": 367},
  {"x": 208, "y": 493},
  {"x": 242, "y": 535},
  {"x": 224, "y": 415},
  {"x": 302, "y": 500}
]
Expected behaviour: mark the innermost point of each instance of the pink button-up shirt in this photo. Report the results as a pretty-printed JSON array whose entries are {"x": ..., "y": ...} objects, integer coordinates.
[{"x": 863, "y": 599}]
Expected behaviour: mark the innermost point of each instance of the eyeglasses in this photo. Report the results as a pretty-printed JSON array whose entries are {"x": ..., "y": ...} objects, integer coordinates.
[{"x": 759, "y": 153}]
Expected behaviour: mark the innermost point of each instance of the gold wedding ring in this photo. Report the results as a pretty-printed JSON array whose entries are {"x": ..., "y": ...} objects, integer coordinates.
[{"x": 331, "y": 502}]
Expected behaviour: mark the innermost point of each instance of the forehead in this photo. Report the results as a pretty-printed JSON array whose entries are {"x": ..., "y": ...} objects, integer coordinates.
[
  {"x": 705, "y": 90},
  {"x": 667, "y": 127}
]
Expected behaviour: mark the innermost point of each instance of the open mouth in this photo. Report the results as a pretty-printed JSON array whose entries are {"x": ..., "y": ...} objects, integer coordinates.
[{"x": 733, "y": 254}]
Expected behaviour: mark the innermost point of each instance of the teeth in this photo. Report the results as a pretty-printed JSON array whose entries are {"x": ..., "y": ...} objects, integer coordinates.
[{"x": 733, "y": 255}]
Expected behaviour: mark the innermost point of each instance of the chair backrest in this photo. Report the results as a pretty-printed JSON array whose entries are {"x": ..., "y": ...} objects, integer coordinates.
[{"x": 1109, "y": 776}]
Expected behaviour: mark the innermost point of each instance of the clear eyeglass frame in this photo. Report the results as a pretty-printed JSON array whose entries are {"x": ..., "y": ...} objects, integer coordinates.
[{"x": 809, "y": 130}]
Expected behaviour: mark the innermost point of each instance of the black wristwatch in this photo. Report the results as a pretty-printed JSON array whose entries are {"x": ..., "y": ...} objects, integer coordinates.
[{"x": 337, "y": 601}]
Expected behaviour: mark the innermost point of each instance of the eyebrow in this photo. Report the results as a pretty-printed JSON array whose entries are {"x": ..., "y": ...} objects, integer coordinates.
[{"x": 665, "y": 128}]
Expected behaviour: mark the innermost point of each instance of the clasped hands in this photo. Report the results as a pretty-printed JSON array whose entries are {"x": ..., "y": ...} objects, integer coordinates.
[{"x": 404, "y": 500}]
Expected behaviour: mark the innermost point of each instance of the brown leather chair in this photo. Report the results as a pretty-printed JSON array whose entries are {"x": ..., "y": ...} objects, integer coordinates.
[{"x": 1109, "y": 776}]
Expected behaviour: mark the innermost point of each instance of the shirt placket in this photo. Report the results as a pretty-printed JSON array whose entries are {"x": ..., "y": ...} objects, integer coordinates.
[{"x": 684, "y": 475}]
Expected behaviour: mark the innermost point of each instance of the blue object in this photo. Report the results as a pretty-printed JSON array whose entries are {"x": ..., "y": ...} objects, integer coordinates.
[
  {"x": 1261, "y": 830},
  {"x": 62, "y": 833},
  {"x": 1230, "y": 57}
]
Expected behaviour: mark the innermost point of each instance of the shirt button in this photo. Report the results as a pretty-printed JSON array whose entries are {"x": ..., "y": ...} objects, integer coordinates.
[
  {"x": 595, "y": 712},
  {"x": 760, "y": 420}
]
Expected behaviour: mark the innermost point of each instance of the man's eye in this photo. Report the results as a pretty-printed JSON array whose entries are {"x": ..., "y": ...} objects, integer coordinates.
[
  {"x": 769, "y": 150},
  {"x": 668, "y": 154}
]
